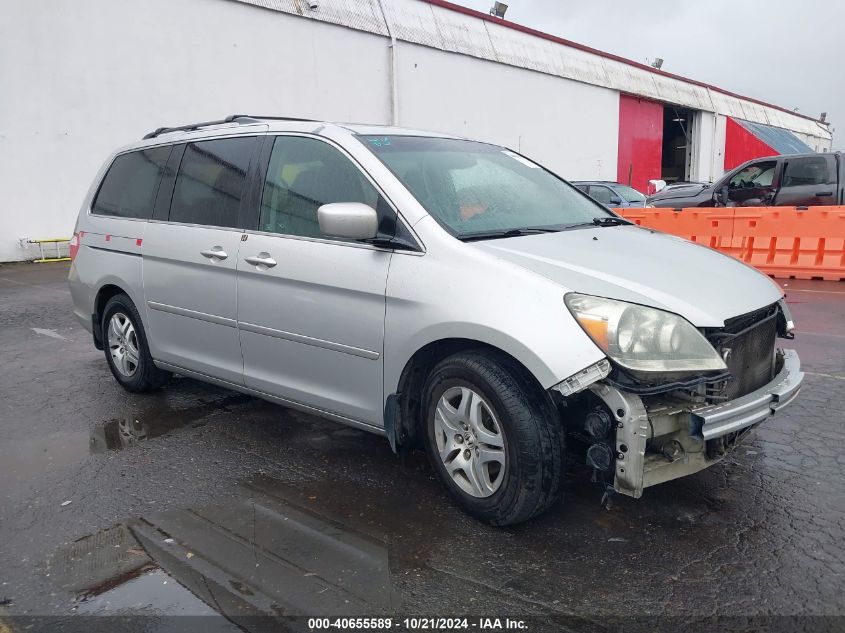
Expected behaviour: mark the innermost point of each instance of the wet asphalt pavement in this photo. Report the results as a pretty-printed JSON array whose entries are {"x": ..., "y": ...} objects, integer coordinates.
[{"x": 197, "y": 500}]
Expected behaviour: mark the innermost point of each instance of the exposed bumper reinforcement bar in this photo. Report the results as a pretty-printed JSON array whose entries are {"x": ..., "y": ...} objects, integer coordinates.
[
  {"x": 721, "y": 419},
  {"x": 635, "y": 469}
]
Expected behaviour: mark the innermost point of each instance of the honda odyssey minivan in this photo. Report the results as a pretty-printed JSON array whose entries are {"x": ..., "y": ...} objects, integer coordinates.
[{"x": 441, "y": 292}]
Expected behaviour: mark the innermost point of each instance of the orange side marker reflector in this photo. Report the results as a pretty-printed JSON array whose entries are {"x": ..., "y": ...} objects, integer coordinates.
[{"x": 597, "y": 329}]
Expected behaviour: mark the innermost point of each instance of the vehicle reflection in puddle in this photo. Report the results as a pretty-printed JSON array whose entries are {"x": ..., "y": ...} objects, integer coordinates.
[
  {"x": 269, "y": 554},
  {"x": 152, "y": 602},
  {"x": 326, "y": 547},
  {"x": 120, "y": 433},
  {"x": 153, "y": 592}
]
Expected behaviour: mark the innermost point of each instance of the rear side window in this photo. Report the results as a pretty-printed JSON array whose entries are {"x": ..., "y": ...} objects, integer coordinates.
[
  {"x": 210, "y": 182},
  {"x": 131, "y": 184},
  {"x": 807, "y": 171}
]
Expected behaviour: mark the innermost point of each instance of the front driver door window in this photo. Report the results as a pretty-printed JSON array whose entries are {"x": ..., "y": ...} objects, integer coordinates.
[
  {"x": 753, "y": 185},
  {"x": 311, "y": 316},
  {"x": 601, "y": 194}
]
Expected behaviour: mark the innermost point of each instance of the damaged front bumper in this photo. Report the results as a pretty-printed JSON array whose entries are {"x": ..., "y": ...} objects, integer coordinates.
[{"x": 660, "y": 439}]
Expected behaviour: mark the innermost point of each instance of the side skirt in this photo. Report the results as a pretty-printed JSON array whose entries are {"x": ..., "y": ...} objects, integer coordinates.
[{"x": 291, "y": 404}]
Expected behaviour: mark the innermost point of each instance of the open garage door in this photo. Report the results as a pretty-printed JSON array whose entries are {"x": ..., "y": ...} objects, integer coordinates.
[
  {"x": 640, "y": 141},
  {"x": 657, "y": 141},
  {"x": 676, "y": 160}
]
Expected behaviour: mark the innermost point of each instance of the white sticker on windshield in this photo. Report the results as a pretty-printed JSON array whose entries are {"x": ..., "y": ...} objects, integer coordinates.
[{"x": 522, "y": 160}]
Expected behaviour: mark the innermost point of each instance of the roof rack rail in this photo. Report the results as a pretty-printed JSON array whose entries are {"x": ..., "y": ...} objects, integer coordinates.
[{"x": 245, "y": 119}]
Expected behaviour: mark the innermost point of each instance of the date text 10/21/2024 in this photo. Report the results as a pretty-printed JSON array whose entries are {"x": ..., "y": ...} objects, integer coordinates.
[{"x": 418, "y": 624}]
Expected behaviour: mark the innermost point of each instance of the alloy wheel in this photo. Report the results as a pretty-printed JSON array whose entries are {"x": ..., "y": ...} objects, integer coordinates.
[
  {"x": 470, "y": 441},
  {"x": 123, "y": 344}
]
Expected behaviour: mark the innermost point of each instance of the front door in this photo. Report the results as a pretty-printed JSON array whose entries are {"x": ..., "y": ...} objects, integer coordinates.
[
  {"x": 190, "y": 261},
  {"x": 311, "y": 308}
]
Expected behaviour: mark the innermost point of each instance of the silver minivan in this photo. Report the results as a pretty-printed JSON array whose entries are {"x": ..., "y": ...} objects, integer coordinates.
[{"x": 441, "y": 292}]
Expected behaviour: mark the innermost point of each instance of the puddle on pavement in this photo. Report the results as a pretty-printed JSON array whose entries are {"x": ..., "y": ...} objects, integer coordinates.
[
  {"x": 263, "y": 554},
  {"x": 157, "y": 596},
  {"x": 327, "y": 548},
  {"x": 22, "y": 460}
]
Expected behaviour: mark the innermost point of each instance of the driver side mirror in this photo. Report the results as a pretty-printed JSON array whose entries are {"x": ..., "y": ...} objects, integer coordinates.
[
  {"x": 615, "y": 200},
  {"x": 721, "y": 195},
  {"x": 348, "y": 220}
]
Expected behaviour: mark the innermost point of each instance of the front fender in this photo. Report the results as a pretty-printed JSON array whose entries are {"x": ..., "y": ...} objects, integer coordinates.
[{"x": 482, "y": 299}]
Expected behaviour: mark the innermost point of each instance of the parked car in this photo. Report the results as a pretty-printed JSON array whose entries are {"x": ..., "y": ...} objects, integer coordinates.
[
  {"x": 611, "y": 194},
  {"x": 441, "y": 292},
  {"x": 789, "y": 180}
]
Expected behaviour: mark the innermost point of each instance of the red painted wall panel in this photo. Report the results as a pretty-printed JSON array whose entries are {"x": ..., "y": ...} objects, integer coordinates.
[
  {"x": 640, "y": 141},
  {"x": 741, "y": 145}
]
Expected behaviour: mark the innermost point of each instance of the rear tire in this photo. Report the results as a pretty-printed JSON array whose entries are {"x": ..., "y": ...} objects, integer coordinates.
[
  {"x": 493, "y": 437},
  {"x": 126, "y": 349}
]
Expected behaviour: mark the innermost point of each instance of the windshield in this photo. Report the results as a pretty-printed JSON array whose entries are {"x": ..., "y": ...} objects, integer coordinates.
[
  {"x": 474, "y": 188},
  {"x": 629, "y": 193}
]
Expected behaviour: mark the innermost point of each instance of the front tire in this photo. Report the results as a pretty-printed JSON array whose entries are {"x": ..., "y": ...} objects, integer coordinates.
[
  {"x": 493, "y": 437},
  {"x": 126, "y": 349}
]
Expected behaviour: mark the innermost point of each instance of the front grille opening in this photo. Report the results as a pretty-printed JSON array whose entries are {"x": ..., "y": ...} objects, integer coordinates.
[{"x": 747, "y": 345}]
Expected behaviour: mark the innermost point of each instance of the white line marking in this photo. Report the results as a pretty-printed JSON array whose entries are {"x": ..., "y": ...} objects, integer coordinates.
[
  {"x": 816, "y": 373},
  {"x": 50, "y": 333},
  {"x": 12, "y": 281},
  {"x": 819, "y": 334},
  {"x": 824, "y": 292}
]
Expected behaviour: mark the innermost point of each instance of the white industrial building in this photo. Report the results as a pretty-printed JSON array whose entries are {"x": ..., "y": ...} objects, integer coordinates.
[{"x": 84, "y": 76}]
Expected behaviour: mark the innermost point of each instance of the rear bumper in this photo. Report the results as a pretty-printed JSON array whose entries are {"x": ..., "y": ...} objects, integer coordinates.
[{"x": 718, "y": 420}]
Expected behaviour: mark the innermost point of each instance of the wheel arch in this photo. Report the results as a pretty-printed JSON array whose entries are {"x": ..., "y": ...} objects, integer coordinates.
[
  {"x": 107, "y": 289},
  {"x": 404, "y": 404}
]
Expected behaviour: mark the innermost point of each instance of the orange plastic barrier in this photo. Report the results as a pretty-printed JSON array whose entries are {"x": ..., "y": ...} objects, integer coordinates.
[{"x": 792, "y": 242}]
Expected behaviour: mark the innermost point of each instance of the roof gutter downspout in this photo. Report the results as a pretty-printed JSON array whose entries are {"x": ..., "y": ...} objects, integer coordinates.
[{"x": 394, "y": 88}]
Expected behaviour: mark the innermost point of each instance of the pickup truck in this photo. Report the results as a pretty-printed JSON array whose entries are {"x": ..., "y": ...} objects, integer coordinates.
[{"x": 783, "y": 181}]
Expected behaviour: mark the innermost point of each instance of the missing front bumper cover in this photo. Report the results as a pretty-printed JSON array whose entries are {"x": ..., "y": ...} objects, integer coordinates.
[
  {"x": 728, "y": 417},
  {"x": 694, "y": 426},
  {"x": 584, "y": 378}
]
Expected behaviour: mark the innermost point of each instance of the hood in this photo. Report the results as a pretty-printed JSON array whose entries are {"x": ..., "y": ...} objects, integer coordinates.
[
  {"x": 633, "y": 264},
  {"x": 679, "y": 192}
]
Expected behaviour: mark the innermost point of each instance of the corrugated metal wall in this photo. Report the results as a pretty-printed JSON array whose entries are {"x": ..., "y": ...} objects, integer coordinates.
[{"x": 439, "y": 27}]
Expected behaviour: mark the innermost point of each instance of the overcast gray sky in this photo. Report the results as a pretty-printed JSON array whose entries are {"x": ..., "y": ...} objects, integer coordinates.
[{"x": 786, "y": 52}]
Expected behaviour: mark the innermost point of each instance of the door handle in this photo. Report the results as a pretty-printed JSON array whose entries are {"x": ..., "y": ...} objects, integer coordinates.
[
  {"x": 214, "y": 253},
  {"x": 824, "y": 194},
  {"x": 262, "y": 259}
]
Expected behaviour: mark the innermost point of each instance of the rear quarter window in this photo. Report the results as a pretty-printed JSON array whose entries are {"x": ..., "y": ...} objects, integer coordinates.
[{"x": 131, "y": 184}]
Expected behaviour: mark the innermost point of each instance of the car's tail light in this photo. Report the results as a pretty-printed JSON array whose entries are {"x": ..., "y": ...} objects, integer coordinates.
[{"x": 74, "y": 243}]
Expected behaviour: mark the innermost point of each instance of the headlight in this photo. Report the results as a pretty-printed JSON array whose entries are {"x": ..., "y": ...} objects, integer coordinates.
[{"x": 643, "y": 339}]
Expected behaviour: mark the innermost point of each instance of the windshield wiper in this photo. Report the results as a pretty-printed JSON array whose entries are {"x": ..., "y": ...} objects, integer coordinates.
[
  {"x": 610, "y": 220},
  {"x": 492, "y": 235},
  {"x": 606, "y": 221}
]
